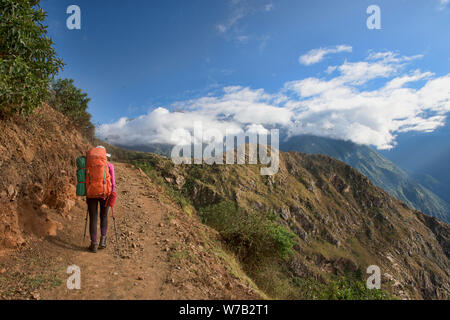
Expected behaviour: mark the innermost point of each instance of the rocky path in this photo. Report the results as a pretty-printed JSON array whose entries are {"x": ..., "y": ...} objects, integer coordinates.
[
  {"x": 140, "y": 272},
  {"x": 164, "y": 254}
]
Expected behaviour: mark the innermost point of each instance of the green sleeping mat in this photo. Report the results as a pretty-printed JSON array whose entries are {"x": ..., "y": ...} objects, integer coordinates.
[{"x": 81, "y": 176}]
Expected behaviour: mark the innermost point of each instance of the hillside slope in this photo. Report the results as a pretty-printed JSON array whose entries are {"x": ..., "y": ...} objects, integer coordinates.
[
  {"x": 343, "y": 223},
  {"x": 415, "y": 190},
  {"x": 339, "y": 221},
  {"x": 36, "y": 166},
  {"x": 165, "y": 254},
  {"x": 377, "y": 168}
]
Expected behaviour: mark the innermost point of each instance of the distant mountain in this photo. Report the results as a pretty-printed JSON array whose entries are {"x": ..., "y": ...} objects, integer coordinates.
[
  {"x": 378, "y": 169},
  {"x": 425, "y": 156},
  {"x": 416, "y": 191},
  {"x": 158, "y": 148},
  {"x": 439, "y": 184}
]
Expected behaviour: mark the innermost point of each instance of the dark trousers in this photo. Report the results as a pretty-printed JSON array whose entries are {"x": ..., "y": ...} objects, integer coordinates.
[{"x": 93, "y": 214}]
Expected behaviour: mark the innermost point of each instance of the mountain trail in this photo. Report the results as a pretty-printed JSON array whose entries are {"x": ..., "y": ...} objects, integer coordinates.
[{"x": 163, "y": 253}]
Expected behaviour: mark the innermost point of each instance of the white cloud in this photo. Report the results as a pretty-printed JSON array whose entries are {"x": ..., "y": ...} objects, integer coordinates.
[
  {"x": 239, "y": 10},
  {"x": 343, "y": 105},
  {"x": 232, "y": 20},
  {"x": 268, "y": 7},
  {"x": 242, "y": 38},
  {"x": 401, "y": 81},
  {"x": 317, "y": 55},
  {"x": 443, "y": 4},
  {"x": 236, "y": 110},
  {"x": 392, "y": 57},
  {"x": 331, "y": 69},
  {"x": 361, "y": 72}
]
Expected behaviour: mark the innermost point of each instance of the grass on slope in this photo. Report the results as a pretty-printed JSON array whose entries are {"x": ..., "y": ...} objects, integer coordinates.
[{"x": 262, "y": 246}]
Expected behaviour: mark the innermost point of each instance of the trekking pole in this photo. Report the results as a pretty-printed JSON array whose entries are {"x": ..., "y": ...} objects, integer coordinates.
[
  {"x": 85, "y": 225},
  {"x": 115, "y": 231}
]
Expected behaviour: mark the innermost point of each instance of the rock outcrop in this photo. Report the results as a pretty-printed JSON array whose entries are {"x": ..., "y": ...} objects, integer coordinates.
[{"x": 37, "y": 156}]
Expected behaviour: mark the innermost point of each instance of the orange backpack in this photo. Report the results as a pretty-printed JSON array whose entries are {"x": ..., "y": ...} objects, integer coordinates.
[{"x": 98, "y": 179}]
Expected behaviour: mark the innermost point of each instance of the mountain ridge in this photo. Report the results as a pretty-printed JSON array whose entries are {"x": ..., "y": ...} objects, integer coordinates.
[
  {"x": 377, "y": 168},
  {"x": 384, "y": 173},
  {"x": 342, "y": 221}
]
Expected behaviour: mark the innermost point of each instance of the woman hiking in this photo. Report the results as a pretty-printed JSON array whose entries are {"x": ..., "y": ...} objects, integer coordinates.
[{"x": 100, "y": 184}]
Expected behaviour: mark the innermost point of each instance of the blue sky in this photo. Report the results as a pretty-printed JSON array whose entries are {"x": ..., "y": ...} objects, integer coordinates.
[{"x": 133, "y": 57}]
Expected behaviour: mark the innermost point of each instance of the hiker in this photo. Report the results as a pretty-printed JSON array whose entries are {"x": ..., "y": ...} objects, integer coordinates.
[{"x": 100, "y": 184}]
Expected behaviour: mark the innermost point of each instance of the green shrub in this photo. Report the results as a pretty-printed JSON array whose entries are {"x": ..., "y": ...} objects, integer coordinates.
[
  {"x": 252, "y": 237},
  {"x": 72, "y": 102},
  {"x": 283, "y": 239},
  {"x": 340, "y": 288},
  {"x": 27, "y": 59}
]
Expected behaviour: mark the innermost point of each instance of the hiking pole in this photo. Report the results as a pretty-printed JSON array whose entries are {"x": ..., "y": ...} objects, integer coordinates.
[
  {"x": 85, "y": 225},
  {"x": 115, "y": 231}
]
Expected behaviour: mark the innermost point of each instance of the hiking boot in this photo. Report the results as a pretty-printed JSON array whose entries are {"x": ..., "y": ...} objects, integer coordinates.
[
  {"x": 102, "y": 244},
  {"x": 93, "y": 247}
]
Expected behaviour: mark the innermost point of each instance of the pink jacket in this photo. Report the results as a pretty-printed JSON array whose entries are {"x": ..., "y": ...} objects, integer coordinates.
[{"x": 113, "y": 177}]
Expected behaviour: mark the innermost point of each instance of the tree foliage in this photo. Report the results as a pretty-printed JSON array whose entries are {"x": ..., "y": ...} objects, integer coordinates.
[
  {"x": 72, "y": 102},
  {"x": 28, "y": 60}
]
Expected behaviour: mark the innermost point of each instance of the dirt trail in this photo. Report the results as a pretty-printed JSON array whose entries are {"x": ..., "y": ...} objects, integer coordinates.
[
  {"x": 105, "y": 275},
  {"x": 164, "y": 255}
]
